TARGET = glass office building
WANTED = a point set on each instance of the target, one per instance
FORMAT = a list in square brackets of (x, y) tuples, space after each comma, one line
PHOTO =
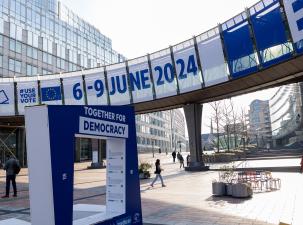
[(161, 130), (260, 130), (286, 115), (44, 37)]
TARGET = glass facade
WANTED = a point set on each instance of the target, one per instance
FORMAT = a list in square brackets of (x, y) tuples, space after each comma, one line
[(259, 123), (164, 130), (45, 37), (286, 112)]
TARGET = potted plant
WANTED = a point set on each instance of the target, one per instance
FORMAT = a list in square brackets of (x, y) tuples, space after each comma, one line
[(218, 188), (144, 170), (228, 176)]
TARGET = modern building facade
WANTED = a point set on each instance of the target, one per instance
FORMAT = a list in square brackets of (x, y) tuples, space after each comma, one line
[(286, 115), (39, 37), (45, 37), (161, 130), (259, 130)]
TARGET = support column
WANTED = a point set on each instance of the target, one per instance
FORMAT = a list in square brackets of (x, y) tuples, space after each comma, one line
[(97, 161), (193, 116), (20, 146)]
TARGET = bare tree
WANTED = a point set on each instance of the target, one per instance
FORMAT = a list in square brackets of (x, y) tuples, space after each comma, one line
[(242, 118), (216, 117), (226, 123), (234, 120)]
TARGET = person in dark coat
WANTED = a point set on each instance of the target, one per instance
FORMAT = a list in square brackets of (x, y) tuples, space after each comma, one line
[(158, 173), (10, 167), (187, 160), (178, 156), (174, 156), (181, 160)]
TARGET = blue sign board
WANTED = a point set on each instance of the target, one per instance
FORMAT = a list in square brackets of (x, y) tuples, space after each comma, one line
[(51, 132)]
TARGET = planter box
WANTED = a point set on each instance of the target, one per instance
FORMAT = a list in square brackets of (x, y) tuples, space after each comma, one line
[(241, 190), (218, 188), (144, 175), (229, 189)]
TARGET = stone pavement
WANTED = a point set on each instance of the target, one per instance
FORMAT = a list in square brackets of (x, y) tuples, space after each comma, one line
[(187, 199)]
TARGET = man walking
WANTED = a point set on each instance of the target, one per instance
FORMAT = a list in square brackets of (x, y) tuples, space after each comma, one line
[(12, 168), (174, 156), (181, 160)]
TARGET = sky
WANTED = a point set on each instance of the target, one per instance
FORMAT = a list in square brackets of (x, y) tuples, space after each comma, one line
[(138, 27)]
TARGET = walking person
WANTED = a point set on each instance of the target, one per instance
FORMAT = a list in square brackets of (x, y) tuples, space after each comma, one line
[(301, 164), (178, 156), (158, 173), (174, 156), (12, 168), (187, 160), (181, 160)]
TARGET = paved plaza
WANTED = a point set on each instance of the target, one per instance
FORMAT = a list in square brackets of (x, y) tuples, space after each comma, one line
[(187, 199)]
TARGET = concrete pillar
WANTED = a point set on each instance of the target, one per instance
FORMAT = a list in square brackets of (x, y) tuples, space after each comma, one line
[(20, 146), (193, 116), (97, 156)]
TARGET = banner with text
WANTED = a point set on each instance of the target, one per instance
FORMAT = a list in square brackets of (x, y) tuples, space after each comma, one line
[(95, 88), (294, 13), (139, 79), (27, 94), (189, 76), (7, 99), (73, 90), (118, 84), (163, 74)]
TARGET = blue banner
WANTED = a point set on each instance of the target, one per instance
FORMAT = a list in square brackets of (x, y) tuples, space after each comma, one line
[(270, 34), (239, 47), (51, 93)]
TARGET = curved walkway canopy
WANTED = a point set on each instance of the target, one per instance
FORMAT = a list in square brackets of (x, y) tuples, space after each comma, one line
[(259, 48)]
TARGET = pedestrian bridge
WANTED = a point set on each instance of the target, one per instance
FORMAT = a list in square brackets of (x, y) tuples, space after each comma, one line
[(259, 48)]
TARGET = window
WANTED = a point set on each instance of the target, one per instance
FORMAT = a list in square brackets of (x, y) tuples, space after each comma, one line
[(31, 70), (12, 31), (49, 60), (28, 70), (29, 38), (1, 25), (18, 47), (29, 52), (35, 53), (11, 65), (17, 66), (44, 72), (12, 45), (1, 40), (44, 57), (14, 65), (35, 40), (1, 62), (19, 33)]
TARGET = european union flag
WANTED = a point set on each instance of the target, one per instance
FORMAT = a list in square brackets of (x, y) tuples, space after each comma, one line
[(51, 94)]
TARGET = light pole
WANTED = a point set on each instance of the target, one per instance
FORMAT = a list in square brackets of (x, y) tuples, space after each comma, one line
[(153, 148)]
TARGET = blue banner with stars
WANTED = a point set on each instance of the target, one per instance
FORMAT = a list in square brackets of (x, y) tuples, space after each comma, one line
[(51, 93)]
